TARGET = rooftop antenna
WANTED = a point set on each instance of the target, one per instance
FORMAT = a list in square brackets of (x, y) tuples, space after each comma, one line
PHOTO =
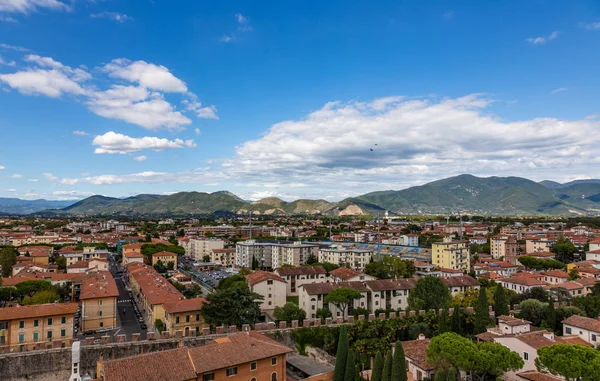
[(378, 239), (330, 228), (250, 225), (460, 231)]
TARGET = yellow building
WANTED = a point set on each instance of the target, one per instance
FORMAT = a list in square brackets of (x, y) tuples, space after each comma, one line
[(184, 315), (451, 255), (132, 252), (165, 257), (98, 301), (25, 327)]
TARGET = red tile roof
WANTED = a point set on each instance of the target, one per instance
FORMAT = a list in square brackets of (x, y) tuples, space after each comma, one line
[(301, 270), (460, 281), (98, 284), (261, 276), (39, 310), (416, 350), (532, 375), (524, 281), (185, 305), (344, 273), (164, 254), (583, 322)]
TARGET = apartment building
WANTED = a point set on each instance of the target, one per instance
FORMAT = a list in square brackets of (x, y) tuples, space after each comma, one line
[(587, 329), (223, 257), (521, 283), (294, 254), (165, 257), (132, 252), (34, 240), (184, 315), (297, 276), (37, 326), (270, 286), (453, 255), (240, 357), (87, 266), (198, 248), (505, 248), (345, 274), (98, 298), (355, 258), (246, 251), (534, 245)]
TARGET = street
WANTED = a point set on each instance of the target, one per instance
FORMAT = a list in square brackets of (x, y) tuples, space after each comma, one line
[(126, 318)]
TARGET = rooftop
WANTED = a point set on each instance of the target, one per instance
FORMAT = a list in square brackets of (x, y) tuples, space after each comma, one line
[(261, 276), (39, 310), (416, 350), (98, 284), (301, 270), (583, 322), (344, 273)]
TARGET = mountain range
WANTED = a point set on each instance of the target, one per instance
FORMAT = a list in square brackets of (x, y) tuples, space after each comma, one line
[(466, 193)]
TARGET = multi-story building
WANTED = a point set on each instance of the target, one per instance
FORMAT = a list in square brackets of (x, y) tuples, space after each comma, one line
[(345, 274), (165, 257), (34, 240), (453, 255), (247, 251), (297, 276), (98, 301), (505, 248), (294, 254), (239, 357), (355, 258), (270, 286), (199, 248), (534, 245), (223, 257), (36, 326), (132, 252), (587, 329)]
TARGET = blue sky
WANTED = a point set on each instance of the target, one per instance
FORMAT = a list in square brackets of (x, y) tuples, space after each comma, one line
[(288, 98)]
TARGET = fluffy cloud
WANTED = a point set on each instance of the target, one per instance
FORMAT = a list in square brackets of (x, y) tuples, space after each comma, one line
[(204, 112), (17, 176), (118, 17), (26, 6), (148, 75), (543, 39), (2, 167), (13, 47), (70, 195), (80, 133), (50, 177), (591, 25), (33, 180), (7, 19), (114, 143), (7, 63), (140, 158)]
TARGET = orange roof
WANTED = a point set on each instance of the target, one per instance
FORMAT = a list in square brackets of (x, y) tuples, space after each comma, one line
[(185, 305), (164, 254), (153, 285), (260, 276), (556, 273), (344, 273), (524, 281), (98, 284), (39, 310), (132, 254)]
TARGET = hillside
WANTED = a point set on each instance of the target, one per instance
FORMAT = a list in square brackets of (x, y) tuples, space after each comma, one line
[(18, 206), (465, 193)]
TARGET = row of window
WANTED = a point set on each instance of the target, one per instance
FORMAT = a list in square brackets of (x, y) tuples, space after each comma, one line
[(232, 371), (36, 335), (187, 318), (36, 322)]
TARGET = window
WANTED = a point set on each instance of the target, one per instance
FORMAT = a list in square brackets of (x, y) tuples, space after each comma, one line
[(49, 321), (101, 324), (187, 318), (63, 332), (197, 317), (63, 320), (269, 282), (253, 379), (100, 302), (231, 371), (568, 330), (22, 324), (36, 336), (99, 313), (274, 361), (21, 337), (49, 335), (525, 356), (36, 322), (274, 376), (593, 337), (253, 365), (177, 320), (208, 376)]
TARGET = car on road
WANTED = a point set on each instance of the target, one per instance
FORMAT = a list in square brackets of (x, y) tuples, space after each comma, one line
[(143, 326), (141, 319)]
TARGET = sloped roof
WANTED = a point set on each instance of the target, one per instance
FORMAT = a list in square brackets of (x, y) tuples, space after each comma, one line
[(261, 276), (39, 310), (301, 270), (583, 322)]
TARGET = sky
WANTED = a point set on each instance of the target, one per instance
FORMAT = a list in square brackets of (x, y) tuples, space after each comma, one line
[(293, 99)]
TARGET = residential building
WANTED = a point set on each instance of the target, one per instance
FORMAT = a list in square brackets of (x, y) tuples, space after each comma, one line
[(299, 275), (165, 257), (199, 248), (294, 254), (593, 255), (451, 254), (223, 257), (345, 274), (36, 326), (461, 283), (424, 269), (247, 251), (587, 329), (355, 258), (89, 265), (239, 357), (389, 294), (34, 240), (521, 283), (415, 352), (594, 244), (270, 286), (132, 252), (184, 315), (98, 301), (555, 276), (534, 245), (505, 248)]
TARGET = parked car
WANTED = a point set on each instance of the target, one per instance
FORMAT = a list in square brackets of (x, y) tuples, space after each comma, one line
[(143, 326)]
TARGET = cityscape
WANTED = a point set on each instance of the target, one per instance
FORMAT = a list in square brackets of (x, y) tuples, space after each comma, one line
[(299, 190)]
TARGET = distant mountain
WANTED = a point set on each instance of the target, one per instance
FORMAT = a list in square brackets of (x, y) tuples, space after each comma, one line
[(465, 193), (18, 206), (555, 185)]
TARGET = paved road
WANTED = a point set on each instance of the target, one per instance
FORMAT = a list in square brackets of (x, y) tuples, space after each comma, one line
[(126, 318)]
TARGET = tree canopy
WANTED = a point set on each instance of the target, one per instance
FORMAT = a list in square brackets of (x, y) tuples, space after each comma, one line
[(290, 311), (541, 264), (500, 301), (564, 249), (429, 293), (232, 306), (390, 267), (341, 355), (482, 312), (341, 297), (569, 361), (8, 258)]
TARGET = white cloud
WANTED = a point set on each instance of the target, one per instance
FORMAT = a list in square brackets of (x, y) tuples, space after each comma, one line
[(559, 90), (50, 177), (7, 19), (140, 158), (592, 25), (11, 190), (146, 74), (17, 176), (33, 180), (27, 6), (197, 131), (80, 133), (118, 17), (51, 83), (115, 143), (13, 47), (7, 63), (70, 195), (241, 18), (209, 112), (2, 167), (226, 38), (193, 104), (543, 39)]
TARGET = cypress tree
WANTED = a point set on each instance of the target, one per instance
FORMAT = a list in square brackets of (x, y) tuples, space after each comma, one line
[(357, 376), (550, 321), (456, 321), (350, 373), (443, 323), (482, 312), (377, 370), (451, 375), (341, 356), (441, 375), (399, 363), (386, 375), (500, 301)]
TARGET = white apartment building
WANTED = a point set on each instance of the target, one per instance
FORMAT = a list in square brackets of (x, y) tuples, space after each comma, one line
[(198, 248), (247, 250), (300, 275), (355, 258), (294, 254), (270, 286), (587, 329)]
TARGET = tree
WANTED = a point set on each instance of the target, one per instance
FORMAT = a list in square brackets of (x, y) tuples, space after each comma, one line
[(8, 258), (387, 367), (482, 312), (443, 322), (441, 375), (573, 274), (590, 304), (451, 375), (429, 293), (31, 287), (569, 361), (399, 363), (290, 311), (193, 291), (341, 297), (456, 321), (500, 301), (61, 262), (390, 267), (350, 373), (160, 326), (564, 249), (232, 306), (41, 297), (341, 355), (206, 258), (311, 260), (255, 263), (540, 264), (534, 311), (323, 313), (236, 280), (377, 371)]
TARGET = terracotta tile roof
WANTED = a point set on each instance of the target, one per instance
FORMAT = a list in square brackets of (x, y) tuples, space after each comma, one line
[(486, 336), (169, 365), (153, 285), (460, 281), (556, 273), (416, 350), (593, 251), (524, 281), (98, 284), (588, 270), (544, 254), (301, 270), (568, 285), (164, 254), (185, 305), (132, 254), (583, 322), (512, 321), (451, 271), (233, 350), (261, 276), (344, 273), (587, 281), (224, 251), (319, 288), (40, 310), (391, 284), (537, 339), (532, 375), (357, 285)]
